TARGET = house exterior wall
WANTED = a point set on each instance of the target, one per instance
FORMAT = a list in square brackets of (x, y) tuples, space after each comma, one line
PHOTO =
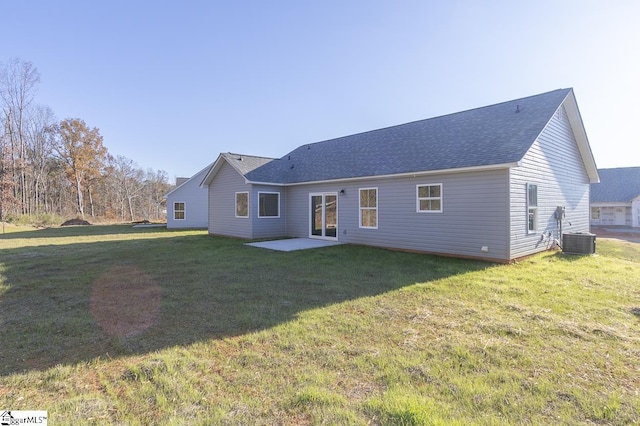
[(615, 214), (195, 199), (222, 204), (485, 212), (475, 214), (298, 222), (635, 212), (267, 227), (554, 164)]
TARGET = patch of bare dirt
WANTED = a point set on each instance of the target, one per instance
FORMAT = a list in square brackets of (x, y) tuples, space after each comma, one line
[(125, 301), (73, 222), (626, 234)]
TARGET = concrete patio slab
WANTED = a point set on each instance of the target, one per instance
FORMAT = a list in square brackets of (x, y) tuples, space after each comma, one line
[(292, 244)]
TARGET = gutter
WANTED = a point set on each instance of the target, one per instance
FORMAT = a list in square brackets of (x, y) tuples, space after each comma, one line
[(396, 175)]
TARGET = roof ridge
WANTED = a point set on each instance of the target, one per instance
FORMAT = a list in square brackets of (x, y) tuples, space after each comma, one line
[(433, 118), (249, 155), (485, 136)]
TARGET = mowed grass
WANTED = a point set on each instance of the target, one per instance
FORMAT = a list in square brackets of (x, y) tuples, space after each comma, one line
[(115, 325)]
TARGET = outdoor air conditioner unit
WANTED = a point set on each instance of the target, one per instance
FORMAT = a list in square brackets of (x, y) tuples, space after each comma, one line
[(579, 243)]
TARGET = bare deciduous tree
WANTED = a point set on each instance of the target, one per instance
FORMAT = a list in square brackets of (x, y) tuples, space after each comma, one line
[(41, 134), (80, 149), (18, 80), (61, 168), (6, 184)]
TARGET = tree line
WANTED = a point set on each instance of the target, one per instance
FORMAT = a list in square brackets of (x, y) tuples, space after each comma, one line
[(61, 169)]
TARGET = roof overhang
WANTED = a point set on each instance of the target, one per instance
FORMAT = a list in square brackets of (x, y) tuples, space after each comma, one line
[(610, 204), (398, 175), (213, 170), (216, 166), (188, 180), (227, 157), (575, 120)]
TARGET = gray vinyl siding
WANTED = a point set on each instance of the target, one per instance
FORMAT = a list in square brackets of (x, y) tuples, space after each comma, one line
[(267, 227), (195, 199), (222, 204), (475, 214), (554, 164), (298, 222)]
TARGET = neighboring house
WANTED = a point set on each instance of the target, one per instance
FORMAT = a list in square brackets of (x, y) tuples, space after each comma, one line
[(187, 203), (616, 199), (484, 183)]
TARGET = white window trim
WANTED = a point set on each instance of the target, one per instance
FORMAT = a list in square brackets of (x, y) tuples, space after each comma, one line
[(235, 205), (360, 208), (184, 211), (535, 219), (418, 198), (268, 192)]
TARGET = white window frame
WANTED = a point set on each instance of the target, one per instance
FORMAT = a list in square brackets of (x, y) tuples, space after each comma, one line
[(532, 209), (269, 193), (236, 204), (419, 198), (362, 208), (183, 210)]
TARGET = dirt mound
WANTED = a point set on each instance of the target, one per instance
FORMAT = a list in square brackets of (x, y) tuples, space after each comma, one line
[(72, 222)]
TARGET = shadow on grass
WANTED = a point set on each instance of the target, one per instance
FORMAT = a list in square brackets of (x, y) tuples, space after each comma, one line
[(624, 250), (76, 231), (67, 304), (572, 257)]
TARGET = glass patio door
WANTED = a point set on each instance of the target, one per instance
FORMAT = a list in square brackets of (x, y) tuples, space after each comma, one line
[(324, 215)]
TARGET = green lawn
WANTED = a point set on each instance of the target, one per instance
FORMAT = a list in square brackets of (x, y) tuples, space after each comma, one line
[(115, 325)]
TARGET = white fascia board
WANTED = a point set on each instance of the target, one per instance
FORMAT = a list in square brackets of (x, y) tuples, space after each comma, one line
[(577, 125), (208, 167), (251, 182), (213, 169), (611, 204)]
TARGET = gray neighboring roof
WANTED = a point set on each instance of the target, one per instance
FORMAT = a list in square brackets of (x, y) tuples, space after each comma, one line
[(619, 185), (188, 179), (489, 136)]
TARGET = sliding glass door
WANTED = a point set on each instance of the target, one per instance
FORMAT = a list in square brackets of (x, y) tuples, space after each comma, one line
[(324, 215)]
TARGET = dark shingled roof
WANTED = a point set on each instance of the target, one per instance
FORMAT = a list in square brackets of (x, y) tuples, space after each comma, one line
[(245, 163), (616, 185), (491, 135)]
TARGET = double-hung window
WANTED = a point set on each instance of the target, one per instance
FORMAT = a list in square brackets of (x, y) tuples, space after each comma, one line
[(179, 210), (369, 208), (242, 204), (532, 208), (268, 204), (429, 198)]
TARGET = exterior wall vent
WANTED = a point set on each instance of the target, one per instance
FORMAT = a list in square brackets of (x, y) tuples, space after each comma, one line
[(579, 243)]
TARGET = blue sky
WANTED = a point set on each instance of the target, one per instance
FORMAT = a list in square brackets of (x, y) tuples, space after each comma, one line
[(170, 85)]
